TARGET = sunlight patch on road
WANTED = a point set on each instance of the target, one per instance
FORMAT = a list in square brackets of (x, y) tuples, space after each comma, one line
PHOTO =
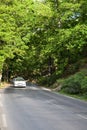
[(46, 89), (1, 105), (34, 88), (4, 122)]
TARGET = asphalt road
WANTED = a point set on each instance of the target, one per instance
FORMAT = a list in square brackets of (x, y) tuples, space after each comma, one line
[(33, 108)]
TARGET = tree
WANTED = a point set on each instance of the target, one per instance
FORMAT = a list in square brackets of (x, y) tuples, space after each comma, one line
[(42, 37)]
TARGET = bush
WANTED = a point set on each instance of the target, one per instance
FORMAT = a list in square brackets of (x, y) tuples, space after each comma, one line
[(43, 81), (71, 86), (79, 77), (84, 85), (76, 84), (48, 80), (71, 69)]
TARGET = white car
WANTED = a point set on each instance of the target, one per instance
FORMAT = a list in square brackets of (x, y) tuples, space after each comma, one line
[(19, 82)]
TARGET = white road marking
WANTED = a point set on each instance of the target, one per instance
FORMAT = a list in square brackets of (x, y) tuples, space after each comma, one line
[(3, 116), (0, 96), (1, 105), (4, 122), (82, 116)]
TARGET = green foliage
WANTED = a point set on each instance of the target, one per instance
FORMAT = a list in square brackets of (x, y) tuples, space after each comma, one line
[(42, 37), (71, 86), (84, 85), (43, 81), (76, 84), (48, 80)]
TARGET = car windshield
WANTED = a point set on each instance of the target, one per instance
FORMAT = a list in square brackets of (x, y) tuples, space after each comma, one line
[(19, 79)]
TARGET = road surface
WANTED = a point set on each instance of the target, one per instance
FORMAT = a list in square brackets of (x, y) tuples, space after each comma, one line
[(34, 108)]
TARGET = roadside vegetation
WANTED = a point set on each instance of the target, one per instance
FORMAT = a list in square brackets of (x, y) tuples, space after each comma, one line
[(74, 85), (4, 84), (45, 42)]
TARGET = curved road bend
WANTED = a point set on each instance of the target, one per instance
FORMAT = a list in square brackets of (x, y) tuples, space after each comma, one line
[(32, 108)]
